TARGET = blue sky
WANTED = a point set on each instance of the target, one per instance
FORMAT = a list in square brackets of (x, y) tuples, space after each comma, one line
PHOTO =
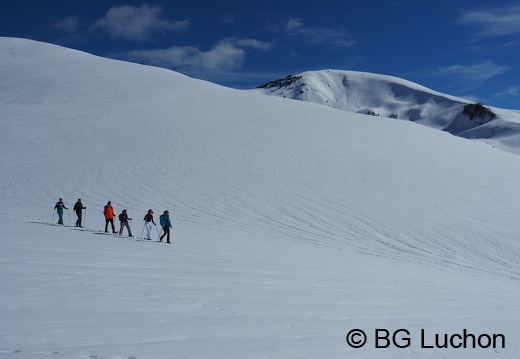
[(468, 48)]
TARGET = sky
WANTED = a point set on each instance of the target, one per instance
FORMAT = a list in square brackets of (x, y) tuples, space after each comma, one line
[(466, 48)]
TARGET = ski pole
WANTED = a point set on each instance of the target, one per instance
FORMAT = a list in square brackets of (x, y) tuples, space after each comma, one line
[(144, 223), (85, 219), (53, 212), (158, 234), (70, 221)]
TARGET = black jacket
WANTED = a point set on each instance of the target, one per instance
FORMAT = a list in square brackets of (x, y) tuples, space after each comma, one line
[(123, 217), (78, 207), (149, 218)]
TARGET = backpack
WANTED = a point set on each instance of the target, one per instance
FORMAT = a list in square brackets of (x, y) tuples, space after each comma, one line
[(121, 217)]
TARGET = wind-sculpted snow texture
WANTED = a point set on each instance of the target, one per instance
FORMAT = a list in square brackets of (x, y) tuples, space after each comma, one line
[(395, 98), (294, 223)]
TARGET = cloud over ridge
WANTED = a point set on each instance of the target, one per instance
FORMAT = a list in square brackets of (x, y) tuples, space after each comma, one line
[(137, 23)]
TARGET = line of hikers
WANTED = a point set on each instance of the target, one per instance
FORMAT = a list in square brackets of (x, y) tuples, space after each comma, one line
[(108, 212)]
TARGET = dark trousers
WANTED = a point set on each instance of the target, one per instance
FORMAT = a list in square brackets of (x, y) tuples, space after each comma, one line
[(166, 232), (60, 216), (111, 221), (80, 216), (125, 224)]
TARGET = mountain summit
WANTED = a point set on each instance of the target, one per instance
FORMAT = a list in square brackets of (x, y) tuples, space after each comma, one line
[(393, 97)]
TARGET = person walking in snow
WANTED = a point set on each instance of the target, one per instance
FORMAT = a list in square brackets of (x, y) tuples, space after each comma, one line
[(166, 224), (78, 208), (148, 220), (108, 211), (59, 209), (123, 218)]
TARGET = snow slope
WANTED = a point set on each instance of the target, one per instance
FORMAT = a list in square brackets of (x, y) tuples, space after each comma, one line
[(294, 223), (392, 97)]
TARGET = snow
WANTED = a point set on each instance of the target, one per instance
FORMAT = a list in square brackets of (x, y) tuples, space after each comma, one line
[(294, 223), (392, 97)]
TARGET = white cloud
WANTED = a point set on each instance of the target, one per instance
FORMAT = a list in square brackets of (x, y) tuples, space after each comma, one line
[(512, 90), (494, 22), (137, 23), (226, 55), (319, 35), (70, 25), (294, 26), (474, 73), (254, 44), (510, 44), (511, 94), (228, 18), (461, 78)]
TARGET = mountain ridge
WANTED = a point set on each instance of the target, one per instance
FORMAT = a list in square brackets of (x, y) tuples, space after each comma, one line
[(396, 98)]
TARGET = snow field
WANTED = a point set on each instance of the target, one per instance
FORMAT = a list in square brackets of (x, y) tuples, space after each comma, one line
[(294, 223)]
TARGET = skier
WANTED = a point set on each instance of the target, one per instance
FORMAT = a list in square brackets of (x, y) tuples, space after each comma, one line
[(59, 209), (78, 208), (108, 211), (166, 224), (148, 218), (123, 218)]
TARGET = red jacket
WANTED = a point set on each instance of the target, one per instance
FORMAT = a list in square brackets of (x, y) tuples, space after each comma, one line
[(108, 212)]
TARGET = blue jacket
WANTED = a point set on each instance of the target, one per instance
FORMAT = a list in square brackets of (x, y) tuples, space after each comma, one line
[(165, 221)]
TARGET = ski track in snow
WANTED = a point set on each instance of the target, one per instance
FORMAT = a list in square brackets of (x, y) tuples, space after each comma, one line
[(292, 222)]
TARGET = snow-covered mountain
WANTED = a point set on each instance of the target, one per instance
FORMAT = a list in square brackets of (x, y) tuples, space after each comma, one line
[(293, 223), (392, 97)]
